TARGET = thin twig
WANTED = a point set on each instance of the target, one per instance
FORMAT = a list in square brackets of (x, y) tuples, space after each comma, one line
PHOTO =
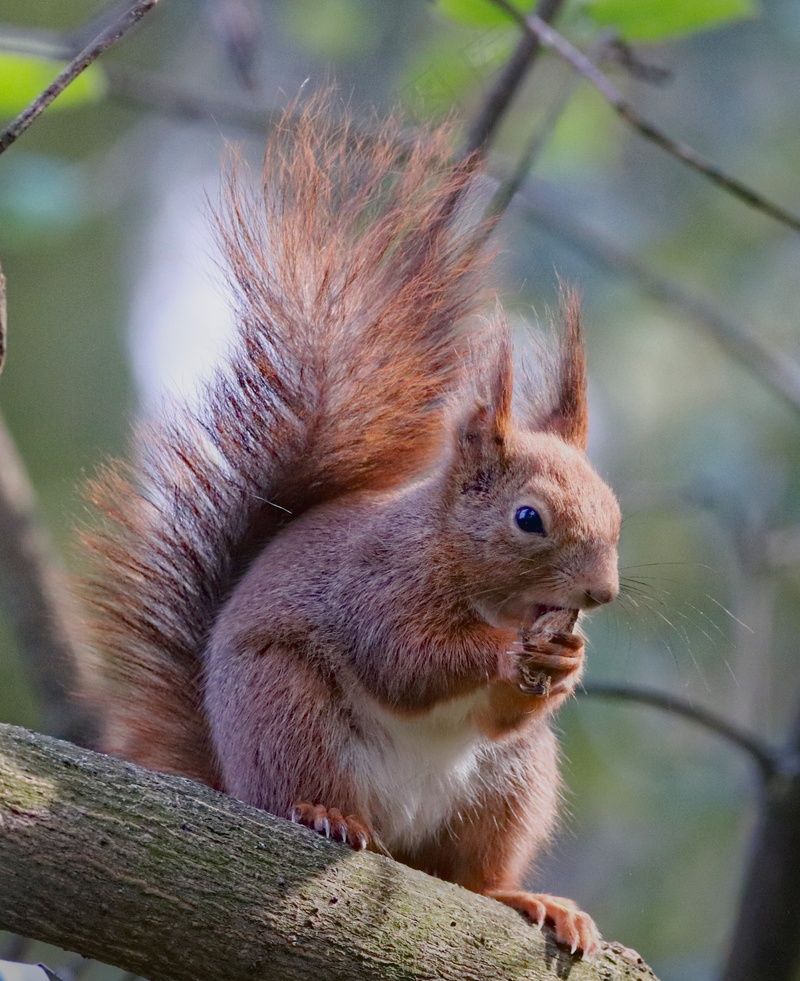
[(550, 38), (774, 369), (107, 39), (508, 83), (35, 598), (514, 183), (760, 752), (147, 88), (104, 20)]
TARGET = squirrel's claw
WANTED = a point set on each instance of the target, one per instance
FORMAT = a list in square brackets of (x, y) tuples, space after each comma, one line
[(549, 664), (572, 927), (331, 823)]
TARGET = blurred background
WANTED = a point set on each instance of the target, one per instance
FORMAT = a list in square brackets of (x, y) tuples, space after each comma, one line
[(114, 299)]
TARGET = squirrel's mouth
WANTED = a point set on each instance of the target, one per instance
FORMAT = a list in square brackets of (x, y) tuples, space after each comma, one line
[(540, 609), (554, 618)]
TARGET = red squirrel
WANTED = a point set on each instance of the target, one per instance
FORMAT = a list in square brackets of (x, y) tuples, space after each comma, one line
[(345, 589)]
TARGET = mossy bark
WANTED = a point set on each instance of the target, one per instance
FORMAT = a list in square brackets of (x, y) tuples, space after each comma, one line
[(169, 879)]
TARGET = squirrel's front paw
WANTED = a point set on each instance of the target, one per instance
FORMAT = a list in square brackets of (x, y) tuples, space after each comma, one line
[(549, 663), (331, 823)]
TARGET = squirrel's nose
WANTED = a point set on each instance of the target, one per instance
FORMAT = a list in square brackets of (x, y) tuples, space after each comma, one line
[(599, 595)]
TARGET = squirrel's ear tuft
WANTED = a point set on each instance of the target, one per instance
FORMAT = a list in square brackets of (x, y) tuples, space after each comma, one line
[(501, 382), (483, 431), (480, 450), (569, 414)]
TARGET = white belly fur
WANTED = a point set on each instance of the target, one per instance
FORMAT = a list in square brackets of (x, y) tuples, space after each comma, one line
[(418, 771)]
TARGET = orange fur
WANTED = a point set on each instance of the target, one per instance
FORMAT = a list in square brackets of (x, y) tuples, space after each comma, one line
[(315, 594)]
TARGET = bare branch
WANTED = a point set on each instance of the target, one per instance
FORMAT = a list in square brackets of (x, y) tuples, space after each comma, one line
[(103, 21), (144, 87), (179, 882), (35, 597), (550, 38), (107, 39), (513, 184), (759, 751), (775, 370), (508, 83)]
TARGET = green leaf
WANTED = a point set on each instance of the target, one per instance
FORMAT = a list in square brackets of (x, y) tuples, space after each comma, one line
[(479, 12), (22, 79), (653, 20)]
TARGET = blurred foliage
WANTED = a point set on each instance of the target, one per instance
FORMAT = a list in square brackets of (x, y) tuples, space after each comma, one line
[(336, 29), (482, 13), (23, 78), (634, 20), (655, 21), (705, 458)]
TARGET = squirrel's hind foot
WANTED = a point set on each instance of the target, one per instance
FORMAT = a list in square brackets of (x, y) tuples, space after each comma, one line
[(573, 928), (330, 822)]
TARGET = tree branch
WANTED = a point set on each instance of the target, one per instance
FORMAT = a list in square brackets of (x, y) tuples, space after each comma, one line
[(536, 27), (177, 882), (776, 370), (35, 597), (508, 83), (764, 757), (765, 943), (105, 40), (514, 182)]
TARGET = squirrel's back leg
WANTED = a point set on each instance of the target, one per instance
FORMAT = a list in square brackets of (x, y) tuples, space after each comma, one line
[(572, 927), (494, 856), (488, 847), (280, 735)]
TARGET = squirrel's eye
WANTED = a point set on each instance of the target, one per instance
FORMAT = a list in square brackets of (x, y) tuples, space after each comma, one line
[(530, 521)]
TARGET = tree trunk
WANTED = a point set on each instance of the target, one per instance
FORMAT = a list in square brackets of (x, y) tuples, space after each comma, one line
[(765, 941), (167, 878)]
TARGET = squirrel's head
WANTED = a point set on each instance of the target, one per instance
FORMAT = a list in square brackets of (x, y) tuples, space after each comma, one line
[(534, 526)]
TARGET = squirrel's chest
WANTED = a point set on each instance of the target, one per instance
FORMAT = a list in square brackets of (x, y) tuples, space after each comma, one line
[(418, 770)]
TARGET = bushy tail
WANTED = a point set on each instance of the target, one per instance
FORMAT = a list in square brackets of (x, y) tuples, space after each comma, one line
[(354, 271)]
